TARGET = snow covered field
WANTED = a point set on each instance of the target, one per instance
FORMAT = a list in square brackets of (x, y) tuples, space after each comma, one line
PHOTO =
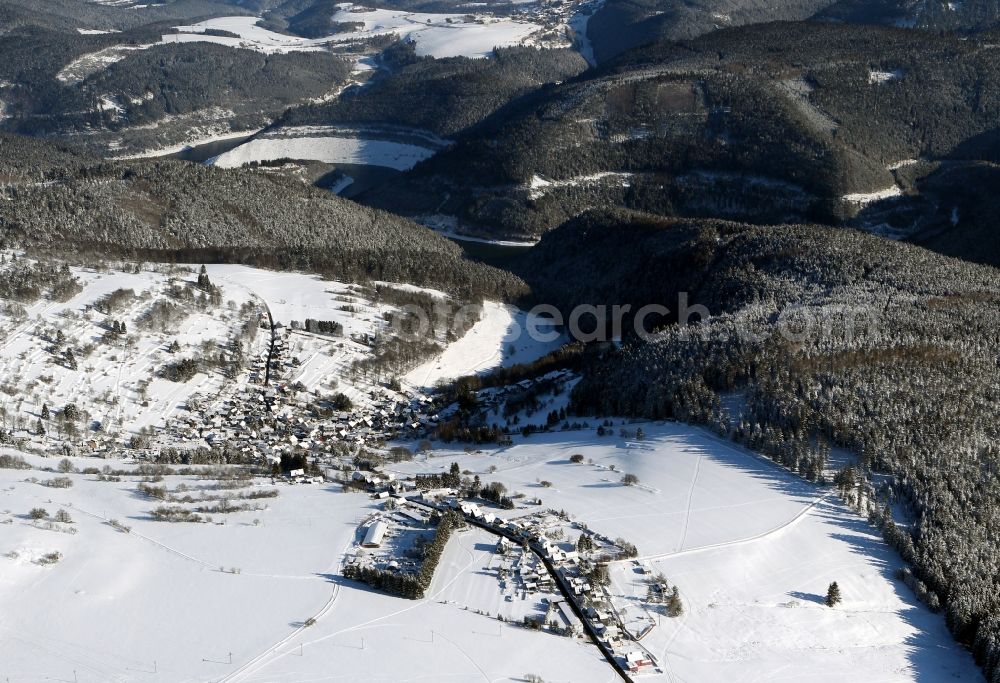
[(251, 36), (436, 35), (439, 35), (751, 548), (865, 198), (487, 345), (332, 148), (298, 296), (80, 619), (201, 622)]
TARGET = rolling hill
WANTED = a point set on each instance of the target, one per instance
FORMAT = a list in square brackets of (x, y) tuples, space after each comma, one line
[(768, 123)]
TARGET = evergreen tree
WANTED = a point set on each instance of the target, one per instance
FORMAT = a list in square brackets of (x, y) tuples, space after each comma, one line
[(675, 607), (832, 594), (45, 411), (204, 283), (71, 412)]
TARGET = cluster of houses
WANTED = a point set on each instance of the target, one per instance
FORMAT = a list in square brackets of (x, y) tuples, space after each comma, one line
[(494, 398), (572, 569), (268, 421), (550, 564)]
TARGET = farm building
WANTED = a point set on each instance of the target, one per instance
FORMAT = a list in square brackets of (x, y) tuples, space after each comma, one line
[(636, 660), (374, 535)]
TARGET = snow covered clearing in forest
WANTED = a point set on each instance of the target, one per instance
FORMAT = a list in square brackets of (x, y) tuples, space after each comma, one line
[(882, 77), (539, 186), (438, 35), (251, 36), (91, 63), (500, 330), (864, 198), (400, 156), (435, 35)]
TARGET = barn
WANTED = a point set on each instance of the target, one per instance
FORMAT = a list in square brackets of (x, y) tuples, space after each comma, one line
[(374, 535)]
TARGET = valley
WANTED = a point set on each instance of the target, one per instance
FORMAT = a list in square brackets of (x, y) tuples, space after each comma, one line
[(521, 340)]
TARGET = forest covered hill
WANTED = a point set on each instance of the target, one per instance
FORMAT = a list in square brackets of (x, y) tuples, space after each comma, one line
[(171, 210), (148, 85), (444, 96), (69, 15), (619, 26), (622, 25), (768, 123), (821, 338), (117, 89)]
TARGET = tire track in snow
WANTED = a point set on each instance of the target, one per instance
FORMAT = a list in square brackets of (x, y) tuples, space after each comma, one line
[(271, 654), (262, 659), (137, 534), (740, 541), (690, 500)]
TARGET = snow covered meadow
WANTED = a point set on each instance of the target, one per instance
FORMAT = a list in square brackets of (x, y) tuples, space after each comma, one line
[(435, 35), (751, 548), (497, 340), (367, 145)]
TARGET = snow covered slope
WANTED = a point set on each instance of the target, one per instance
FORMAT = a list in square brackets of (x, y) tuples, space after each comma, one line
[(436, 35), (330, 148), (751, 548), (500, 330)]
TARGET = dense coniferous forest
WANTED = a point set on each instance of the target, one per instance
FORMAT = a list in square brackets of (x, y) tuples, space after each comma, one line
[(148, 85), (444, 96), (769, 123), (27, 159), (174, 210), (33, 55), (622, 25), (823, 337), (68, 15), (958, 214), (177, 79)]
